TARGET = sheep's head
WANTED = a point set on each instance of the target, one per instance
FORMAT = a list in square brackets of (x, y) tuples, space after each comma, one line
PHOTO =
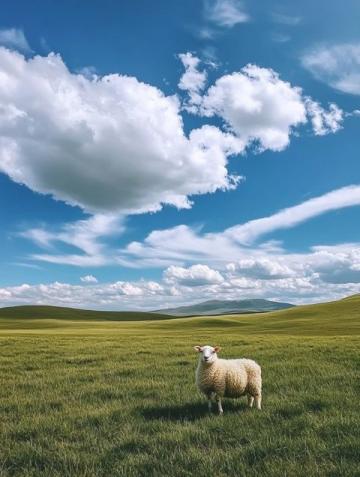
[(208, 354)]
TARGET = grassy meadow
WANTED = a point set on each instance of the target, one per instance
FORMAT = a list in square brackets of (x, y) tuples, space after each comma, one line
[(117, 398)]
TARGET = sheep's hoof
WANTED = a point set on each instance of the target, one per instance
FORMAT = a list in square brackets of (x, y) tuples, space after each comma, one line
[(221, 413)]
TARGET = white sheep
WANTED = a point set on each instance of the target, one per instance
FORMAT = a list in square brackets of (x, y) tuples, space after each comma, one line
[(218, 378)]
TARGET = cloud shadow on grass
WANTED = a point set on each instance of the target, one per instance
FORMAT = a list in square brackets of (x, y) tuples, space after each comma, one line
[(188, 411)]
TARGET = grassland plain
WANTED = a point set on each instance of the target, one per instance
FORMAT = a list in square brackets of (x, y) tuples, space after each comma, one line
[(110, 398)]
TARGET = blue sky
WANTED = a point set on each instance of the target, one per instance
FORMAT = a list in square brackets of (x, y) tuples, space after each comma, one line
[(154, 154)]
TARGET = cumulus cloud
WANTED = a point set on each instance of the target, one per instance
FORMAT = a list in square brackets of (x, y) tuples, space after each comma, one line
[(257, 106), (324, 122), (323, 273), (14, 38), (115, 145), (225, 13), (116, 295), (106, 144), (337, 264), (88, 279), (260, 108), (196, 275), (337, 65), (262, 268)]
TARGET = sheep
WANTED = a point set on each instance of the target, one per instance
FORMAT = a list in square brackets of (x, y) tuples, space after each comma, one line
[(218, 378)]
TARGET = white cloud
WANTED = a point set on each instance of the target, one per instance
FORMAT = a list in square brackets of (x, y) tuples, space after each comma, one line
[(337, 264), (90, 72), (225, 13), (257, 106), (324, 122), (340, 198), (14, 38), (109, 144), (323, 273), (182, 244), (117, 295), (114, 145), (261, 109), (338, 65), (196, 275), (85, 236), (224, 265), (261, 268), (178, 245), (192, 81), (89, 279)]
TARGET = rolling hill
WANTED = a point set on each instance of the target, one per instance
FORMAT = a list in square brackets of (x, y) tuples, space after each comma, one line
[(62, 313), (222, 307), (214, 307), (337, 318)]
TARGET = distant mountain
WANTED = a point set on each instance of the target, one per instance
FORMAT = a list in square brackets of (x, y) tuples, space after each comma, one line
[(223, 307)]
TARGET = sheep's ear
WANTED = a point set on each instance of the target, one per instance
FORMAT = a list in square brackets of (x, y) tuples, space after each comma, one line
[(198, 349), (217, 349)]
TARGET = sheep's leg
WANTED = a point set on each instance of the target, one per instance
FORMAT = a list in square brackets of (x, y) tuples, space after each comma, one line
[(258, 401), (250, 400), (210, 398), (220, 409)]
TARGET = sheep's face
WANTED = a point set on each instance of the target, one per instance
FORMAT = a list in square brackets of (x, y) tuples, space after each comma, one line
[(207, 353)]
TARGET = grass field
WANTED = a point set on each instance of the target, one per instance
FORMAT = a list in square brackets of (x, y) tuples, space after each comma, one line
[(111, 398)]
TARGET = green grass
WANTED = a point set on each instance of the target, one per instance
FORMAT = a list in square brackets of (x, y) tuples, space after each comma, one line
[(108, 398)]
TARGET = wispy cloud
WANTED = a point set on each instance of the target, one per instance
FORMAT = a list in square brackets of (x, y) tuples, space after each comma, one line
[(337, 65), (289, 20), (85, 236), (14, 38), (280, 37), (225, 13), (205, 33), (292, 216), (182, 244)]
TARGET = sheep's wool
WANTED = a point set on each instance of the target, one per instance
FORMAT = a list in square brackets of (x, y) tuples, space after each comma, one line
[(229, 378)]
